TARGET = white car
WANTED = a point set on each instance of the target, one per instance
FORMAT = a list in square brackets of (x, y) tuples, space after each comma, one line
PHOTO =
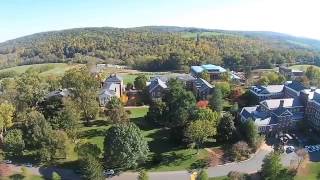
[(7, 161), (108, 172)]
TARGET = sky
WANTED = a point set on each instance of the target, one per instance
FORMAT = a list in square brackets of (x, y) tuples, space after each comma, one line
[(296, 17)]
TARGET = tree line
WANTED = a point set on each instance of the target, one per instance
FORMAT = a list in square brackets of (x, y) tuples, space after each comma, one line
[(152, 49)]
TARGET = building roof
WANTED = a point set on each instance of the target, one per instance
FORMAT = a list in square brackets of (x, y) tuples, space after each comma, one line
[(59, 93), (208, 67), (267, 89), (156, 83), (246, 112), (114, 78), (185, 77), (282, 111), (276, 103), (295, 85), (202, 84)]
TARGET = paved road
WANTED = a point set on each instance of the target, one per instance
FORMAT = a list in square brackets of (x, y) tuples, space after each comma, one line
[(249, 166)]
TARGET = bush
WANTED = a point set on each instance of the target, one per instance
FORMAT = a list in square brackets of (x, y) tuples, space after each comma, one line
[(56, 176), (240, 151), (203, 175), (234, 175), (143, 175)]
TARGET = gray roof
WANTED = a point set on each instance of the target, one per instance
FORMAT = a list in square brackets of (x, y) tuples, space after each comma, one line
[(295, 85), (185, 77), (113, 78), (267, 89), (156, 83), (275, 103), (202, 84)]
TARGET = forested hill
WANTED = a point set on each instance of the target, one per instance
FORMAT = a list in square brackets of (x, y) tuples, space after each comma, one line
[(160, 47)]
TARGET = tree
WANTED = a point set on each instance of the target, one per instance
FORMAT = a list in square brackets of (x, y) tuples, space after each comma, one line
[(6, 115), (129, 86), (224, 87), (208, 114), (125, 146), (203, 175), (140, 82), (216, 101), (13, 142), (180, 105), (83, 88), (199, 130), (205, 75), (143, 175), (236, 93), (156, 112), (91, 168), (116, 111), (35, 128), (88, 149), (55, 176), (54, 147), (251, 133), (271, 166), (226, 128), (30, 90)]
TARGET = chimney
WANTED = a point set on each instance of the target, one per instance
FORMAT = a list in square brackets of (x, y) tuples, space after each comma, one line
[(281, 103)]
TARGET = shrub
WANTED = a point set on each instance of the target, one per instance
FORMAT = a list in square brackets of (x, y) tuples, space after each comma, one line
[(143, 175), (56, 176), (240, 151), (203, 175)]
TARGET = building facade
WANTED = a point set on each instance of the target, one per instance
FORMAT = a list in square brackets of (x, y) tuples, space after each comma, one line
[(281, 110)]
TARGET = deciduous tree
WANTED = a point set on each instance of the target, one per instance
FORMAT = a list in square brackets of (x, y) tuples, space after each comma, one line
[(6, 115), (83, 87), (125, 146), (13, 142), (216, 101), (140, 82)]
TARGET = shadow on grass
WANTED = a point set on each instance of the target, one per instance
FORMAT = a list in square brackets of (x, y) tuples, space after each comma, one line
[(64, 173), (17, 177), (92, 133), (98, 122), (161, 142), (144, 124)]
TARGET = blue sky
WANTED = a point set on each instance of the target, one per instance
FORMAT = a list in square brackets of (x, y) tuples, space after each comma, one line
[(296, 17)]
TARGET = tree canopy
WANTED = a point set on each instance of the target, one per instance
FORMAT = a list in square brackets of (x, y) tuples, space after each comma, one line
[(125, 146)]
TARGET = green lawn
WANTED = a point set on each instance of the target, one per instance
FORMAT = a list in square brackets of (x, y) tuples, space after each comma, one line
[(303, 67), (20, 176), (313, 172), (218, 178), (56, 69), (171, 156)]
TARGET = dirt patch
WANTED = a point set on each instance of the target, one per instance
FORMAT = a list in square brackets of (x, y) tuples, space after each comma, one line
[(216, 156), (303, 170)]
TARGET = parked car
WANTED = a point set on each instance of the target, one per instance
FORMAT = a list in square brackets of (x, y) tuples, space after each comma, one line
[(29, 165), (108, 172), (290, 149), (7, 161)]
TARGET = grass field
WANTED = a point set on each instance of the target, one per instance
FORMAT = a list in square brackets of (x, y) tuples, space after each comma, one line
[(303, 67), (57, 69), (171, 156), (312, 172)]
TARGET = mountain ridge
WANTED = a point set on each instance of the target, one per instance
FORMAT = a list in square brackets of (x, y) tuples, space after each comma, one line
[(160, 47)]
